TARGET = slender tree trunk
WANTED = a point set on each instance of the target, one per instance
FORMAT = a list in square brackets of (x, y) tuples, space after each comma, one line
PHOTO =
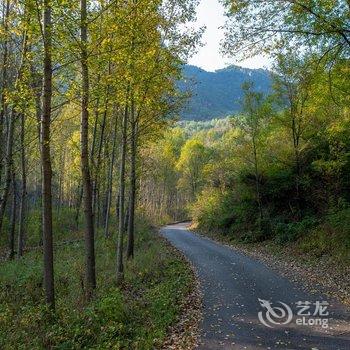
[(257, 181), (100, 193), (110, 177), (8, 167), (132, 199), (92, 150), (126, 213), (4, 84), (46, 159), (37, 87), (90, 275), (78, 204), (96, 181), (296, 139), (120, 266), (13, 217), (22, 207), (60, 182)]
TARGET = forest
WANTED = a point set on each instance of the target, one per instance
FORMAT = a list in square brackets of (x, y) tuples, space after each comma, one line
[(84, 87), (278, 169), (94, 155)]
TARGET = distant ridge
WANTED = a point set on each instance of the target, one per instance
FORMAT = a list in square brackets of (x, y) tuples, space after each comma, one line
[(218, 94)]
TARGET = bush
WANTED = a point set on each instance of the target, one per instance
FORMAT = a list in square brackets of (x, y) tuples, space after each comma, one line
[(217, 211), (290, 232), (136, 317), (213, 210), (331, 237)]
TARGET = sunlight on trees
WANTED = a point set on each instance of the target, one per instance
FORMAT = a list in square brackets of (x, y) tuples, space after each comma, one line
[(91, 148)]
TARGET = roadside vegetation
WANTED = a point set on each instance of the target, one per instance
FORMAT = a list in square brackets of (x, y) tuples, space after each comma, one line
[(247, 179), (85, 86), (89, 97), (278, 171), (135, 316)]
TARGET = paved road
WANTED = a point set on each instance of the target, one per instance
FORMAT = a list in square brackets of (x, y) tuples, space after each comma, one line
[(232, 285)]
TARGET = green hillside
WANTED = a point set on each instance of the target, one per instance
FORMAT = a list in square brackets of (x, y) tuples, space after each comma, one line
[(218, 94)]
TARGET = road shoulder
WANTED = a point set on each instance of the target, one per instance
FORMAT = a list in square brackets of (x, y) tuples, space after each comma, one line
[(185, 333), (312, 275)]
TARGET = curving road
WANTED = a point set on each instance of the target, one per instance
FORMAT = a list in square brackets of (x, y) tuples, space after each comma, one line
[(232, 285)]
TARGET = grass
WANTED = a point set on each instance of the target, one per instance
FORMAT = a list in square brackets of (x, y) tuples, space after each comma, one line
[(134, 317), (309, 240), (330, 238), (64, 226)]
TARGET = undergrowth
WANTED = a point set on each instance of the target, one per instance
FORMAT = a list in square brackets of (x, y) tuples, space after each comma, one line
[(137, 316)]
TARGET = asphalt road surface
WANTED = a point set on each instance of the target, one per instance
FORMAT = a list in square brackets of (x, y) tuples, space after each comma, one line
[(232, 285)]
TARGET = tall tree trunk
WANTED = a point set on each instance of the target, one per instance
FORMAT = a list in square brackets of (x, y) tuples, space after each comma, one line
[(8, 167), (96, 164), (13, 217), (257, 182), (90, 276), (296, 140), (96, 181), (4, 83), (132, 198), (92, 150), (120, 266), (126, 213), (46, 159), (37, 81), (22, 207), (110, 176)]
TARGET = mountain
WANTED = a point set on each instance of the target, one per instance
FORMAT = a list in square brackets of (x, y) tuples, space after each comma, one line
[(218, 94)]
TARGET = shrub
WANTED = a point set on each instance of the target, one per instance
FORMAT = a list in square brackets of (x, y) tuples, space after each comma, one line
[(292, 231), (331, 237), (213, 210), (136, 317)]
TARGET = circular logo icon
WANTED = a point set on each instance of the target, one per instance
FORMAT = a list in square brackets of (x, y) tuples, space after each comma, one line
[(274, 315)]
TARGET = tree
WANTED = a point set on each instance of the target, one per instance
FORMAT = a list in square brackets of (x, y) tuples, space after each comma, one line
[(257, 26), (193, 158), (121, 195), (90, 274), (46, 157), (22, 208), (4, 82), (293, 79), (251, 123), (132, 196), (13, 217), (110, 177)]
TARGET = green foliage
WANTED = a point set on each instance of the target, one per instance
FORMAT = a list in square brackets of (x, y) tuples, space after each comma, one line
[(276, 171), (64, 225), (257, 26), (217, 94), (213, 210), (331, 237), (219, 126), (292, 231), (137, 317), (194, 155)]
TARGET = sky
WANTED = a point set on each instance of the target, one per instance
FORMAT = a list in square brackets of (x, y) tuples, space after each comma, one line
[(210, 13)]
